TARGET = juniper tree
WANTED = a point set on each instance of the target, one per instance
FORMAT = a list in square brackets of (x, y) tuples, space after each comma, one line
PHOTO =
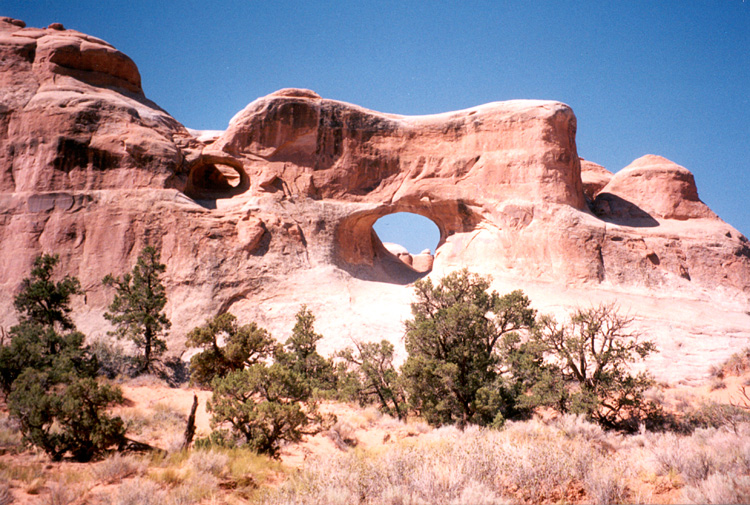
[(453, 370), (592, 355), (44, 302), (266, 405), (243, 346), (137, 310), (48, 373), (300, 353), (376, 378), (45, 333), (61, 414)]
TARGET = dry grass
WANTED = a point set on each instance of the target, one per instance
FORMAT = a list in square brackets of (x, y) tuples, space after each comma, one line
[(160, 417), (607, 483), (529, 462), (388, 461), (6, 495), (565, 460), (58, 493), (717, 383), (210, 474), (118, 467), (343, 435), (10, 435), (714, 463), (209, 462), (139, 492), (718, 488), (161, 424), (25, 471), (737, 364)]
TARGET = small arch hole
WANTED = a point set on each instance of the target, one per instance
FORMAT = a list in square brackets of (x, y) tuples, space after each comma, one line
[(215, 180)]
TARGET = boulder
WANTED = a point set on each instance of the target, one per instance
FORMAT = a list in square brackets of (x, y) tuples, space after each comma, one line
[(423, 261)]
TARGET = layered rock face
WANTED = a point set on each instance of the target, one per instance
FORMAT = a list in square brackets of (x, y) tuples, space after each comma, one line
[(278, 209)]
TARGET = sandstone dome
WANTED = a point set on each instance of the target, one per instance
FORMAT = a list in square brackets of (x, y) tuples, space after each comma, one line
[(396, 249), (660, 188)]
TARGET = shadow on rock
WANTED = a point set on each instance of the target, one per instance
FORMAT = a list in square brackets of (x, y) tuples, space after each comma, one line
[(613, 209), (385, 268)]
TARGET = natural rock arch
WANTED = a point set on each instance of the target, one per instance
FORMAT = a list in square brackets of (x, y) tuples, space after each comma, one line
[(91, 168), (358, 245)]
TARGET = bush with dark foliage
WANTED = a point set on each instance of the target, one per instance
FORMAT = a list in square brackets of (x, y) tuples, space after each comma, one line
[(49, 375)]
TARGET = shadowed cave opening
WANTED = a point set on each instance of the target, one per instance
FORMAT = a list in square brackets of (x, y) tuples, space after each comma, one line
[(410, 237), (213, 180)]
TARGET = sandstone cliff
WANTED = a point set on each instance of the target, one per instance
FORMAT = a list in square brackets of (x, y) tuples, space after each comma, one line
[(278, 209)]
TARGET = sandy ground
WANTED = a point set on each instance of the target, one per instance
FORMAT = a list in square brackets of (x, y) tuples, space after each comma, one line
[(367, 428)]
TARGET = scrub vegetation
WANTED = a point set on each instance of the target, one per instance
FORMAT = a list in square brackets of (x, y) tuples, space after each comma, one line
[(495, 403)]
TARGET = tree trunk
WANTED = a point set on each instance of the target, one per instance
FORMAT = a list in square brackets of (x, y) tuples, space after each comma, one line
[(190, 429), (146, 350)]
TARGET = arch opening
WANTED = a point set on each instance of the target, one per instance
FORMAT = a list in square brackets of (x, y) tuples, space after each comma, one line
[(214, 180), (411, 238), (359, 247)]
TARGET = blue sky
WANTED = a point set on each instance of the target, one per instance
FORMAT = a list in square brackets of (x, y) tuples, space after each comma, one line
[(643, 77)]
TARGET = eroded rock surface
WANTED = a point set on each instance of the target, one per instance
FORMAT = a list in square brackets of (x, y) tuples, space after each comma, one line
[(594, 177), (659, 188), (278, 209)]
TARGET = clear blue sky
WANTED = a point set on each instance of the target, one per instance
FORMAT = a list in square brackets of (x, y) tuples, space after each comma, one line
[(643, 77)]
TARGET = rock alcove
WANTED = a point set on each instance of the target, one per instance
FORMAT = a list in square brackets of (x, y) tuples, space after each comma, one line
[(216, 179)]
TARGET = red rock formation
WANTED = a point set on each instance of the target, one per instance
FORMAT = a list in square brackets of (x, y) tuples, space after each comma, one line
[(278, 209), (594, 177), (75, 117), (510, 149), (660, 188)]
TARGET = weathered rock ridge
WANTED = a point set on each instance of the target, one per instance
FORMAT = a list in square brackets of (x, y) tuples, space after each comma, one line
[(278, 209)]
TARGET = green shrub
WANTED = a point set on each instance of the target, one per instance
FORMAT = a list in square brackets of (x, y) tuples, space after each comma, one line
[(45, 335), (301, 356), (243, 346), (49, 374), (588, 359), (370, 372), (736, 364), (112, 360), (710, 414), (43, 301), (266, 405), (453, 371), (65, 416)]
